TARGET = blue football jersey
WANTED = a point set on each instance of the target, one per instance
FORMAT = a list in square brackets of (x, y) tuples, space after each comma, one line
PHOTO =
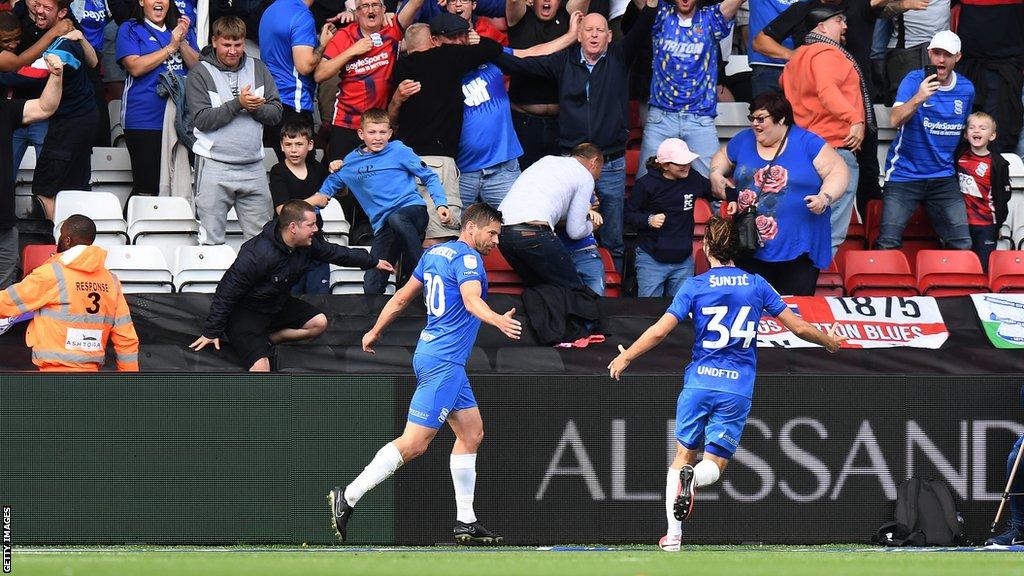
[(726, 304), (451, 329)]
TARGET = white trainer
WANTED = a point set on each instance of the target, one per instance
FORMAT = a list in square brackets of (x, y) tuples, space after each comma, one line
[(670, 543)]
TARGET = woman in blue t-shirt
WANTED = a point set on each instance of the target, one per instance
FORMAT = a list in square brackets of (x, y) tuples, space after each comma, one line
[(156, 39), (791, 176)]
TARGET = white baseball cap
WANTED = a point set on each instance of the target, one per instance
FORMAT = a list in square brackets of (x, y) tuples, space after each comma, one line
[(946, 40), (675, 151)]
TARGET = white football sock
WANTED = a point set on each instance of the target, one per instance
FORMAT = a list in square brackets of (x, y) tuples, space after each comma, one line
[(675, 527), (705, 473), (464, 479), (383, 465)]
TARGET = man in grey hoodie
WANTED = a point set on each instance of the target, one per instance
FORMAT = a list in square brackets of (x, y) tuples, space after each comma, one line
[(231, 97)]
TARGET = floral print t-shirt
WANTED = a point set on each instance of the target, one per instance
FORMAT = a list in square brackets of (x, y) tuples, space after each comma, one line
[(787, 227)]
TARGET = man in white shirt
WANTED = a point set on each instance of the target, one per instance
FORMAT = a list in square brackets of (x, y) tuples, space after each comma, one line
[(552, 190)]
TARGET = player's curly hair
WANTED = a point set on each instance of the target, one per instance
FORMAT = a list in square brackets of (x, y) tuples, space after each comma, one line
[(722, 238)]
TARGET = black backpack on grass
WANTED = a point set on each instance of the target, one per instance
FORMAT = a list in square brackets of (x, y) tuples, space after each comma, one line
[(925, 515)]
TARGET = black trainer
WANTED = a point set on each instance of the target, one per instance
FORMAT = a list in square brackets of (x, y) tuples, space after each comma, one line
[(341, 513), (475, 534), (687, 493)]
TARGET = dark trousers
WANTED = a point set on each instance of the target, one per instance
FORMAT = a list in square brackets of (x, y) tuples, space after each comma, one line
[(797, 277), (401, 235), (867, 185), (144, 149), (538, 135), (272, 134), (65, 162), (983, 242), (538, 256), (899, 62)]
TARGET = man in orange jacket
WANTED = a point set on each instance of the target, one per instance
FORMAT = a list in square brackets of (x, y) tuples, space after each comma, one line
[(78, 305), (829, 95)]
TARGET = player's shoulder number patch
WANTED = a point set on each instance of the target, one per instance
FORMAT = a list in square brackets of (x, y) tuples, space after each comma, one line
[(469, 260)]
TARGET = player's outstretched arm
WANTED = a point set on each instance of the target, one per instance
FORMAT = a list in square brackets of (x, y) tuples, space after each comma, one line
[(391, 310), (649, 339), (805, 331), (471, 292)]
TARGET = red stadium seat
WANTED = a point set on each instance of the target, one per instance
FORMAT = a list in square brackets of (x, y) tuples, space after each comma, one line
[(632, 164), (501, 278), (1006, 271), (910, 248), (949, 273), (918, 226), (701, 215), (634, 114), (830, 282), (612, 279), (700, 260), (495, 262), (878, 273), (857, 230), (32, 255)]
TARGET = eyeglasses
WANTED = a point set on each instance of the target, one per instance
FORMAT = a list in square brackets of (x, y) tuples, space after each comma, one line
[(461, 1), (758, 119), (369, 6)]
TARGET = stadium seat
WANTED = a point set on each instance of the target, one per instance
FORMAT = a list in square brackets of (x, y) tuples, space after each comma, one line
[(23, 182), (856, 230), (200, 268), (878, 273), (269, 159), (886, 132), (632, 165), (949, 273), (141, 269), (103, 207), (918, 226), (32, 255), (737, 64), (911, 247), (345, 280), (731, 119), (701, 215), (700, 260), (162, 221), (233, 231), (501, 278), (612, 279), (830, 281), (116, 129), (1006, 271), (336, 227), (112, 172), (635, 120), (1016, 170)]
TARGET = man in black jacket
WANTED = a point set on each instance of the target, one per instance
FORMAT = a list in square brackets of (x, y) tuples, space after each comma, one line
[(253, 303), (593, 100)]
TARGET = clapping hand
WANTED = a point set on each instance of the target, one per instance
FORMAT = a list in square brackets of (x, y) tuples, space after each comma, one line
[(249, 101)]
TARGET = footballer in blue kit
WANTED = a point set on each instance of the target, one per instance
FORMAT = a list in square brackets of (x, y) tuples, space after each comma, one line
[(726, 305), (453, 281)]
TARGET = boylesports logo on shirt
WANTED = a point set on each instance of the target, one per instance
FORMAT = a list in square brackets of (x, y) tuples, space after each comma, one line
[(368, 64), (943, 128)]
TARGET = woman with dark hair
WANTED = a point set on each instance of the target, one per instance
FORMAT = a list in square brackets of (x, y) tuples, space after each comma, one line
[(792, 177), (157, 38), (725, 304)]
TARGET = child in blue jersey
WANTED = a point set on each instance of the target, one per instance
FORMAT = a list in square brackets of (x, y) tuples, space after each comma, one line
[(726, 304), (382, 175), (454, 284)]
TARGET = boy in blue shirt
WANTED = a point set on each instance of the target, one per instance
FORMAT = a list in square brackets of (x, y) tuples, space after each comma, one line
[(454, 285), (931, 113), (382, 175), (726, 304)]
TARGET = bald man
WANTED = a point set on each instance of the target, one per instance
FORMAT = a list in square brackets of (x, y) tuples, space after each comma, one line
[(593, 83)]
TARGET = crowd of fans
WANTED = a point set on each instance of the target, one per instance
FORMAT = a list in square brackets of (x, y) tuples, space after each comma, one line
[(426, 107)]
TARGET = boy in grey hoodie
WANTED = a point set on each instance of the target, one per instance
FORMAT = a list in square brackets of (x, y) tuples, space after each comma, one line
[(231, 97)]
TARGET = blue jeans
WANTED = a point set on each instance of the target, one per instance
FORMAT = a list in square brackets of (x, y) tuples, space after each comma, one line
[(538, 256), (33, 134), (590, 268), (698, 132), (538, 135), (843, 208), (402, 234), (764, 78), (489, 185), (611, 191), (942, 200), (316, 280), (660, 279)]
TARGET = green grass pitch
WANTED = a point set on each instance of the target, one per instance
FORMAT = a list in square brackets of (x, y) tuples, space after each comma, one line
[(629, 560)]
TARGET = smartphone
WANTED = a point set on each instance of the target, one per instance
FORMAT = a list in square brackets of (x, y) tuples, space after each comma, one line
[(930, 70)]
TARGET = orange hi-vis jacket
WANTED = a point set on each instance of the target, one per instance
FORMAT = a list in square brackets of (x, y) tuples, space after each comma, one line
[(78, 305)]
